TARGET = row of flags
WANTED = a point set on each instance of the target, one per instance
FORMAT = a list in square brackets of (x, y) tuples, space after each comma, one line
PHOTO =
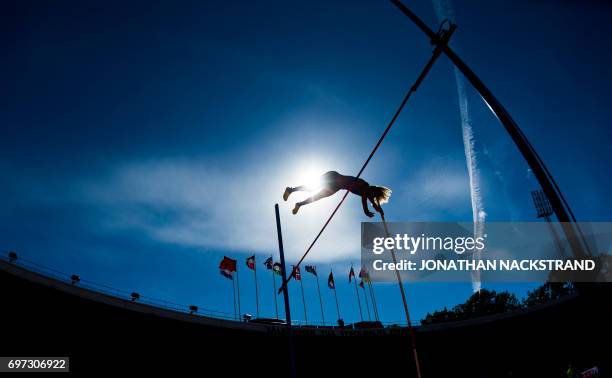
[(228, 266), (270, 265)]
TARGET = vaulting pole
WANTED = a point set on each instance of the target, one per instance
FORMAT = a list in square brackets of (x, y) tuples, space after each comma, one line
[(401, 287), (549, 186), (285, 294)]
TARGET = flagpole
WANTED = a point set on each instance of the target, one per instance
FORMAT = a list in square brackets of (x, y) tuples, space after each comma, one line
[(238, 290), (357, 293), (352, 274), (304, 301), (374, 304), (274, 293), (256, 289), (234, 292), (320, 299), (337, 307), (336, 297), (365, 295)]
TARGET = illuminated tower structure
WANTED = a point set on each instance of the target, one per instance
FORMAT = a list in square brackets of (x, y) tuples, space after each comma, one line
[(544, 210)]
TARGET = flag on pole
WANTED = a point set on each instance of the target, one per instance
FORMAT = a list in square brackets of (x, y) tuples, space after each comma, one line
[(268, 263), (276, 267), (330, 281), (226, 267), (296, 273), (311, 269), (250, 262), (364, 275), (351, 274), (270, 266)]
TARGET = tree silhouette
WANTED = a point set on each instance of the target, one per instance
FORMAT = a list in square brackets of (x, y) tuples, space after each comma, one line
[(547, 292), (489, 302), (483, 303)]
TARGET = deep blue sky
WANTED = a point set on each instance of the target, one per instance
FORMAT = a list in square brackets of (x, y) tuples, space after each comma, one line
[(142, 141)]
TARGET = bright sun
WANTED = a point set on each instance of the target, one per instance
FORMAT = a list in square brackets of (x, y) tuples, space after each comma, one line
[(309, 175), (311, 178)]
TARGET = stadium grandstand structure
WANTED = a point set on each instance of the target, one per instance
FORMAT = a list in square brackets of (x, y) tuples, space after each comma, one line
[(51, 314)]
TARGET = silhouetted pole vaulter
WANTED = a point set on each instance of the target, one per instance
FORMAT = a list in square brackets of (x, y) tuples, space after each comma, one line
[(250, 262), (362, 285), (547, 182), (352, 276), (332, 181), (313, 269), (285, 294), (332, 285), (270, 266)]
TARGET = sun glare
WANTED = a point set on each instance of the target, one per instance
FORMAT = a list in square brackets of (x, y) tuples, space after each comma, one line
[(309, 174), (311, 178)]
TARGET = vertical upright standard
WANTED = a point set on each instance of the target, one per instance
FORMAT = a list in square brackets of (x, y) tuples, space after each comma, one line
[(285, 294)]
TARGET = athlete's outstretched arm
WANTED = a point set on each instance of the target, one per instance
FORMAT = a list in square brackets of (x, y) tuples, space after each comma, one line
[(377, 207), (364, 203)]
